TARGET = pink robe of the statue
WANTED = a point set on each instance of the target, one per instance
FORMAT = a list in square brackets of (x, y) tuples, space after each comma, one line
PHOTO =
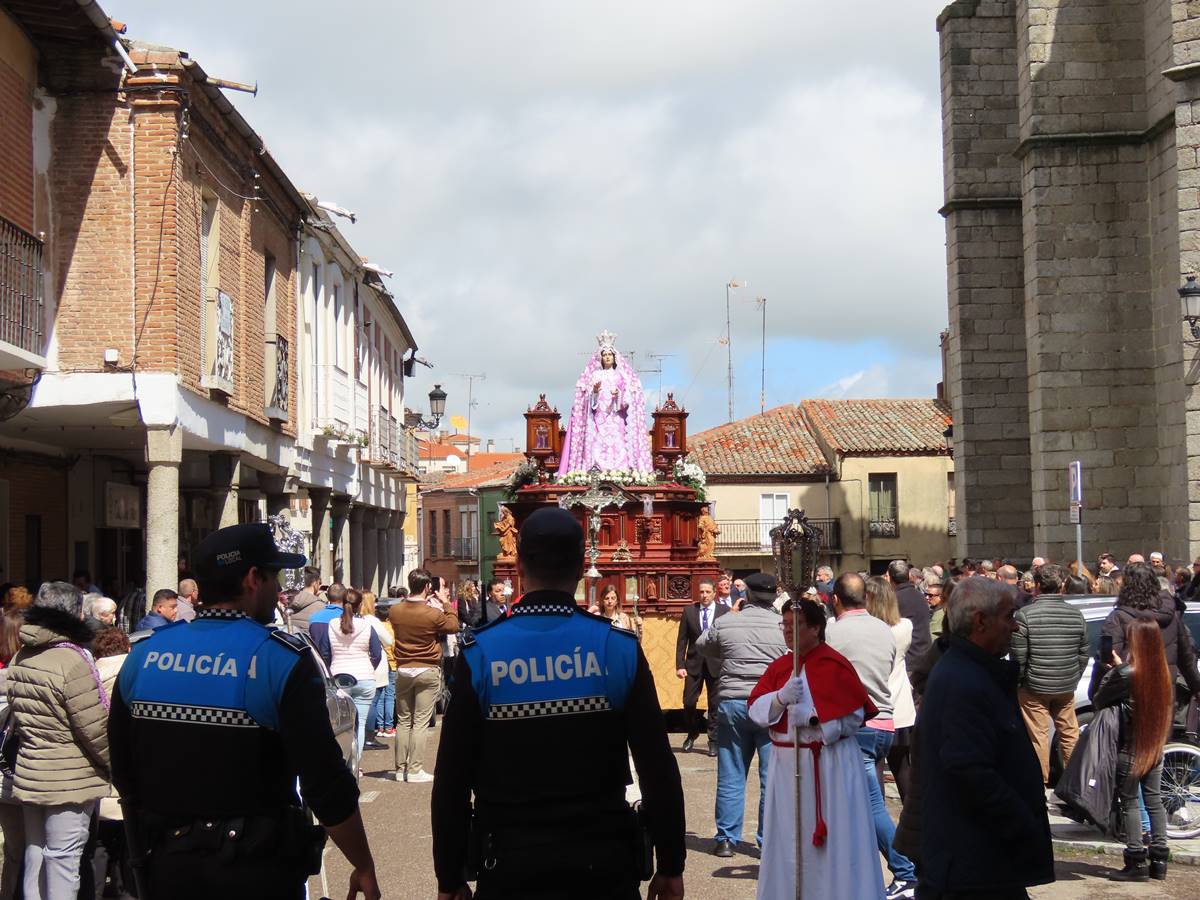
[(607, 428), (839, 850)]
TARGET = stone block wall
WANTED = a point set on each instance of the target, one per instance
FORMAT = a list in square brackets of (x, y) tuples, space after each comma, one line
[(986, 357), (1107, 202)]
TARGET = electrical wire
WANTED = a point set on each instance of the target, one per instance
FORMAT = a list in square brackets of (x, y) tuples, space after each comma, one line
[(224, 186)]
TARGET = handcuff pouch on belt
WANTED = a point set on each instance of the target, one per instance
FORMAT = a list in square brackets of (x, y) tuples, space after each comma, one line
[(536, 850), (288, 835)]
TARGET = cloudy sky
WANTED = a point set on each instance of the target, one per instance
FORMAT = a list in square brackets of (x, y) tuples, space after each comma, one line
[(536, 171)]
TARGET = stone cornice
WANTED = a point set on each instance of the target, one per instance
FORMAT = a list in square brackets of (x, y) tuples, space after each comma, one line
[(964, 203), (1094, 138)]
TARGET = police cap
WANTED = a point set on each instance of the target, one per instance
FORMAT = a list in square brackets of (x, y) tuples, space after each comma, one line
[(761, 588), (239, 547), (551, 536)]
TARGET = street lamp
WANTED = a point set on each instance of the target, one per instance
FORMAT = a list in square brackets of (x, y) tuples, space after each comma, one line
[(437, 408), (1190, 295)]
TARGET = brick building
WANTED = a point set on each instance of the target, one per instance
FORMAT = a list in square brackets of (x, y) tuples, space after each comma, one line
[(457, 515), (165, 313), (1072, 214)]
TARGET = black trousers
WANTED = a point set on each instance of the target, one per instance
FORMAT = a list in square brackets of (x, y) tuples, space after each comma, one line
[(691, 696), (575, 889), (926, 893), (209, 876)]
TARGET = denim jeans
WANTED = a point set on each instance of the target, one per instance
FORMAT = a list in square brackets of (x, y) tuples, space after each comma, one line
[(737, 740), (362, 694), (54, 840), (875, 745), (383, 707), (1149, 788)]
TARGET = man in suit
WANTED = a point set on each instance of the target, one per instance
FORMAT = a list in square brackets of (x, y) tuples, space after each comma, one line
[(698, 671), (496, 604)]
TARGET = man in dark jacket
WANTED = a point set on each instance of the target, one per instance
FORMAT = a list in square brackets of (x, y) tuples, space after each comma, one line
[(984, 823), (1050, 649), (914, 607)]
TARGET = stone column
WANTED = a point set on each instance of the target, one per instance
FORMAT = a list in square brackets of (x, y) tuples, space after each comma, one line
[(164, 452), (354, 571), (342, 544), (225, 470), (320, 548), (278, 491), (397, 536), (370, 551), (386, 564)]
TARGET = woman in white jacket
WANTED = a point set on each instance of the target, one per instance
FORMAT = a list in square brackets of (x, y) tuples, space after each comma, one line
[(882, 604)]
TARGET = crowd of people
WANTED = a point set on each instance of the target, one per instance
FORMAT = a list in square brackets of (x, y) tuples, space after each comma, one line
[(951, 676), (964, 667)]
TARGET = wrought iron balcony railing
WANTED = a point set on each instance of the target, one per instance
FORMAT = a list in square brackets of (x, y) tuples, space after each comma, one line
[(464, 549), (22, 306), (753, 536)]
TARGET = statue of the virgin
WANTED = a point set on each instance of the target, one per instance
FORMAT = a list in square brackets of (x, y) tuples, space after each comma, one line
[(607, 427)]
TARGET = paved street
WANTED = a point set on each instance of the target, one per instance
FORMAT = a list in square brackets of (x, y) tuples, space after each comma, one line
[(398, 823)]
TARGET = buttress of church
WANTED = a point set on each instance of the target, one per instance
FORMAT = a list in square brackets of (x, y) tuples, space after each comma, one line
[(1072, 208)]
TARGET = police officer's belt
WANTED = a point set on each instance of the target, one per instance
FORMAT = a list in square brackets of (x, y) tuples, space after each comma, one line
[(287, 835), (602, 844)]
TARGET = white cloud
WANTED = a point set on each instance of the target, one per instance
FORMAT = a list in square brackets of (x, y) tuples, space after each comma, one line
[(535, 172)]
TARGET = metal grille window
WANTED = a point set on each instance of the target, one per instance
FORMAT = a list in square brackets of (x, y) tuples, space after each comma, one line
[(884, 512), (433, 551), (21, 304)]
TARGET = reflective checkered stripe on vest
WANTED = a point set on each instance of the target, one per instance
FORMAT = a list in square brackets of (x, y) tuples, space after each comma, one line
[(209, 673), (532, 666)]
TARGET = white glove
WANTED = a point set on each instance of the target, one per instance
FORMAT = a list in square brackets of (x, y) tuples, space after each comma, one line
[(800, 715), (792, 692)]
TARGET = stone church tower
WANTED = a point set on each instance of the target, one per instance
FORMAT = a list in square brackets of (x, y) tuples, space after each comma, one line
[(1072, 207)]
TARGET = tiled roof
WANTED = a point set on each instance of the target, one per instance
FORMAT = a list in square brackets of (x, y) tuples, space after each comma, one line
[(774, 443), (880, 427), (438, 451), (492, 475)]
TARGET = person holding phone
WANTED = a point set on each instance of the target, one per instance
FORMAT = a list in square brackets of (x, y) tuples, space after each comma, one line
[(1141, 597)]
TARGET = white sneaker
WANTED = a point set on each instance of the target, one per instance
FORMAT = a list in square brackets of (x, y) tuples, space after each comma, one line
[(419, 777), (398, 775)]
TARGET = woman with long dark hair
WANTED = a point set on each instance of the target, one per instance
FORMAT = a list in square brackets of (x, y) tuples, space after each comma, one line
[(1142, 686), (355, 650)]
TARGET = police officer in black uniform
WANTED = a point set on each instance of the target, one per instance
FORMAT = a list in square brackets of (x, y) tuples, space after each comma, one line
[(246, 703), (561, 697)]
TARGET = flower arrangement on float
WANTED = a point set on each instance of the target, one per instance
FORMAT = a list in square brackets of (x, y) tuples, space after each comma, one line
[(690, 475), (614, 476)]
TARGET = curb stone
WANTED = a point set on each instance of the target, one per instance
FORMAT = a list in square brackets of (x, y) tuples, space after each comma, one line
[(1179, 857)]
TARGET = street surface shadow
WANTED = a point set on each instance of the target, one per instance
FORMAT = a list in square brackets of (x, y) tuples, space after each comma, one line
[(1078, 870), (739, 873), (697, 844)]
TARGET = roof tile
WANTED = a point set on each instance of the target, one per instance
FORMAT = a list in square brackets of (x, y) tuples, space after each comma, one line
[(776, 442), (880, 427)]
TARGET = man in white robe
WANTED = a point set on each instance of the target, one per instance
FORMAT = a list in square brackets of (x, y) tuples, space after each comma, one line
[(840, 859)]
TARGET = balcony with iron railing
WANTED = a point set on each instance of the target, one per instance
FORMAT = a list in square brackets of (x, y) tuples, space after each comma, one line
[(465, 549), (753, 536), (22, 307)]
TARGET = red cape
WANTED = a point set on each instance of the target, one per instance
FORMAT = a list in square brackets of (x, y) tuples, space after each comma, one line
[(835, 686)]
